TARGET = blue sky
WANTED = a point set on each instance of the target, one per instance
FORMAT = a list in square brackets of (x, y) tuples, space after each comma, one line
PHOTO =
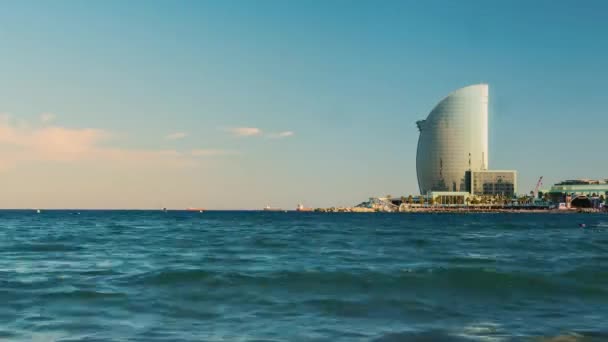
[(239, 104)]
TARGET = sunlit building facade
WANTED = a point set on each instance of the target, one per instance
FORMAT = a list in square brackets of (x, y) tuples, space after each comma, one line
[(493, 183), (453, 140), (570, 190)]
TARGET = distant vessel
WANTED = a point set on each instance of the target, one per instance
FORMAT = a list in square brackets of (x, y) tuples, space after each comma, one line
[(37, 211), (200, 210), (302, 208), (269, 208)]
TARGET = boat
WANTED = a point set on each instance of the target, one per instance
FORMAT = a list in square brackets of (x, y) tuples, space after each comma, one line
[(301, 207), (269, 208), (200, 210)]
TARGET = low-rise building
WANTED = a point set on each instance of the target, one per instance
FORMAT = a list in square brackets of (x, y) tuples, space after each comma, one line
[(580, 192), (449, 197), (492, 183)]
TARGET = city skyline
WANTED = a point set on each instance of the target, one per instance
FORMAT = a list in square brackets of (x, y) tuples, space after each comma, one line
[(241, 105)]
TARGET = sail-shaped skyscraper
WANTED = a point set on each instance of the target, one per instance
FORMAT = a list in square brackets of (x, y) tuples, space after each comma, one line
[(453, 140)]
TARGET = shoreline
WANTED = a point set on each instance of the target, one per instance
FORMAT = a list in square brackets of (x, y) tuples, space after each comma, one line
[(467, 211)]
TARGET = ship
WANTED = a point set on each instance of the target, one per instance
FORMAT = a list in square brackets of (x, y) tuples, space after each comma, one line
[(200, 210), (301, 207)]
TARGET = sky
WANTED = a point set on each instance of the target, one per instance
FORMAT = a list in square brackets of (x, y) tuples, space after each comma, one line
[(243, 104)]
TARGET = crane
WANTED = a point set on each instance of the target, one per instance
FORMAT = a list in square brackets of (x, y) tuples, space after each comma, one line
[(538, 185)]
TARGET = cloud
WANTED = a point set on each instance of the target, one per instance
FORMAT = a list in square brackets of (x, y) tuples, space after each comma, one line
[(245, 131), (23, 143), (47, 117), (211, 152), (254, 131), (281, 135), (176, 136), (47, 143)]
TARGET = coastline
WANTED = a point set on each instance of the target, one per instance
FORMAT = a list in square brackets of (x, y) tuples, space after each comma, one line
[(468, 211)]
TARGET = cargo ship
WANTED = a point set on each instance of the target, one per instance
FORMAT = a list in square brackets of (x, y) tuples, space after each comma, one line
[(301, 207)]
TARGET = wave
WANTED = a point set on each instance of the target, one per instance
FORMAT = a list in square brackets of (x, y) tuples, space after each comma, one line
[(44, 247), (416, 336), (378, 307), (449, 336), (468, 280), (84, 295)]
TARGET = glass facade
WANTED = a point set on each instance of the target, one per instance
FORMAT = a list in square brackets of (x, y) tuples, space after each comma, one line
[(560, 191), (492, 183), (453, 139)]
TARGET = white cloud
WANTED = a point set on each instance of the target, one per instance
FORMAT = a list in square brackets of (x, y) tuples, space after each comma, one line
[(210, 152), (245, 131), (23, 143), (176, 136), (281, 135), (47, 117), (254, 131)]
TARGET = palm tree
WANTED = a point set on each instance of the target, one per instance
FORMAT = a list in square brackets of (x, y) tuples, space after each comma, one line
[(484, 200), (503, 200)]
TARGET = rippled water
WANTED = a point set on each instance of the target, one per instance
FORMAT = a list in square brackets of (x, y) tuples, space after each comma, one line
[(271, 276)]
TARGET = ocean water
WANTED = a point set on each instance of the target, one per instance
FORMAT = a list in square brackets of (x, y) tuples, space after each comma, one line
[(273, 276)]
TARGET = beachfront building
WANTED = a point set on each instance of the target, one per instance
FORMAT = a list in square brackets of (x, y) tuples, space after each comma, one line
[(501, 183), (582, 193), (449, 198), (453, 140)]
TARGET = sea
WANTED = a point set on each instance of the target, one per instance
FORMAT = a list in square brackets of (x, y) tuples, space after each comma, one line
[(73, 275)]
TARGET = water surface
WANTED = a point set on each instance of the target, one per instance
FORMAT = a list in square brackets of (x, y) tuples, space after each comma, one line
[(273, 276)]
